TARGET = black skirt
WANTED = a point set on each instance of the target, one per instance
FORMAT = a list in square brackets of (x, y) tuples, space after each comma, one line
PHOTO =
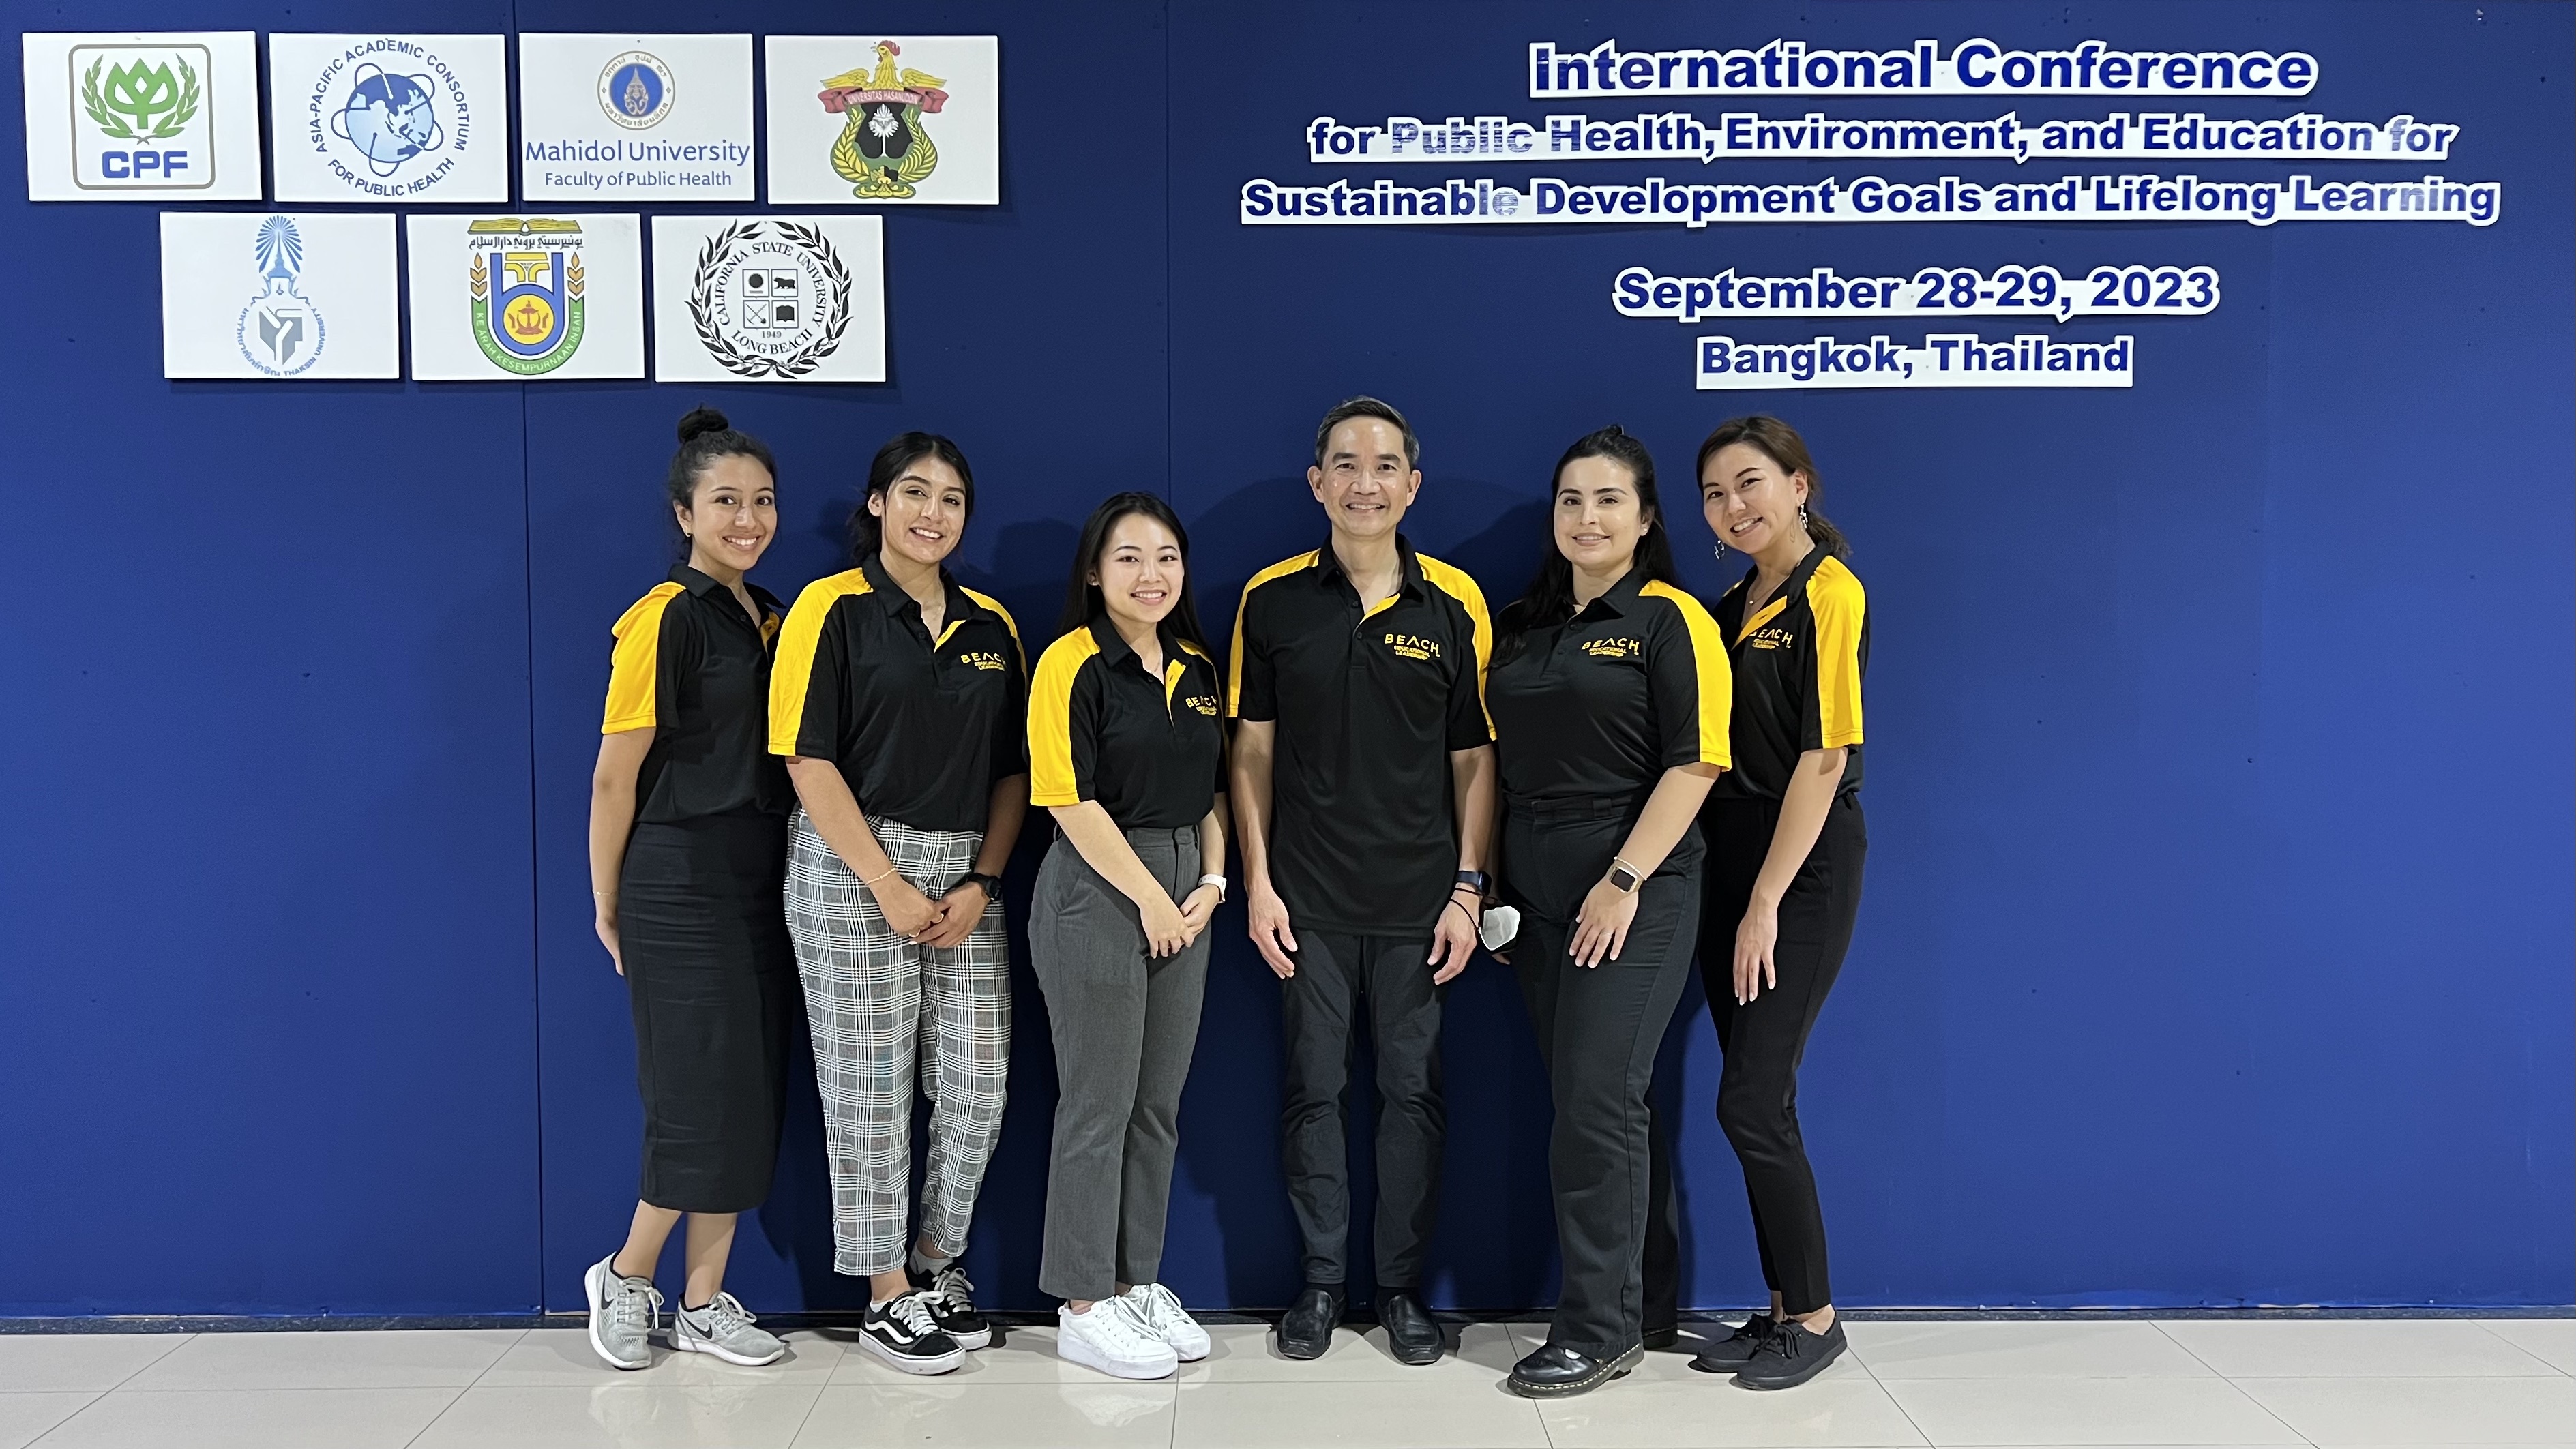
[(712, 978)]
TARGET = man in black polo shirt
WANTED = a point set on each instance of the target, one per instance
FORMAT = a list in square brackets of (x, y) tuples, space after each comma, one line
[(1364, 798)]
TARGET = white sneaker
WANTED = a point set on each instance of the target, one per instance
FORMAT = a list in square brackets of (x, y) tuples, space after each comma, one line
[(623, 1314), (1110, 1339), (1161, 1314), (724, 1328)]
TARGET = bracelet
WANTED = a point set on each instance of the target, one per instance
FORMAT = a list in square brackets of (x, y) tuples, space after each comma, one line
[(881, 875)]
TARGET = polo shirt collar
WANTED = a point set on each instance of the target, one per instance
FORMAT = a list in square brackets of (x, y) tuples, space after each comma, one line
[(893, 598), (706, 585), (1328, 566), (1798, 576), (1116, 652), (1621, 597)]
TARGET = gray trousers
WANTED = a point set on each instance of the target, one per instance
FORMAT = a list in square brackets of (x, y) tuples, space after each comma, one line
[(1125, 1025)]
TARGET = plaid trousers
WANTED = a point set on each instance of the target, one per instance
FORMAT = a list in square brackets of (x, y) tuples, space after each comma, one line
[(866, 989)]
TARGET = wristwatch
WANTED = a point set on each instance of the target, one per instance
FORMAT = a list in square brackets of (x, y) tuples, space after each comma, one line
[(1477, 881), (992, 884), (1623, 878)]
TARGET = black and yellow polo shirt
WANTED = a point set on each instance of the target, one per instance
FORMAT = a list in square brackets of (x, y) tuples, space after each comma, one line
[(691, 666), (1150, 750), (1798, 665), (1370, 699), (922, 728), (1599, 706)]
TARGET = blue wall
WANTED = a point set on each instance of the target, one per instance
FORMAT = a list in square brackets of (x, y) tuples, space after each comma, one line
[(2218, 940)]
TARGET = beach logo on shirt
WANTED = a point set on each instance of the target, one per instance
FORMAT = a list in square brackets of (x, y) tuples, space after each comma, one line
[(1202, 703), (1614, 648), (1413, 646), (1772, 639), (984, 659), (524, 285)]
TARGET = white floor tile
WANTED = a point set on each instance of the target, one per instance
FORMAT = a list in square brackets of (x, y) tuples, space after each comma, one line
[(340, 1359), (51, 1362), (2423, 1411), (928, 1413), (1355, 1415), (2351, 1348), (2551, 1340), (255, 1419), (2052, 1349), (624, 1416), (2071, 1411), (1668, 1405), (561, 1357), (25, 1416)]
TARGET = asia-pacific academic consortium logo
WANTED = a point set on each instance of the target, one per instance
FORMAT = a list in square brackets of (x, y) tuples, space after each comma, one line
[(140, 117), (280, 331), (401, 110), (770, 298), (524, 286), (636, 90), (882, 150)]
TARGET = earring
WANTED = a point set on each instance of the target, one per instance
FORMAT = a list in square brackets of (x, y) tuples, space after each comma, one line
[(1802, 515), (1721, 553)]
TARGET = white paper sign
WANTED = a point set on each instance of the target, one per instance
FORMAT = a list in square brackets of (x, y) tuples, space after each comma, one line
[(142, 117), (261, 295), (769, 299), (635, 117), (525, 298), (866, 120), (379, 117)]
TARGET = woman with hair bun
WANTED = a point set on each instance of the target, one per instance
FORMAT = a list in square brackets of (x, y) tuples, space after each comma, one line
[(1785, 846), (688, 852)]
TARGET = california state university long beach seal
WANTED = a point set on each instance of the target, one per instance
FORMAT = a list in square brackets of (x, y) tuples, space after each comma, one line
[(770, 298), (524, 283), (882, 149)]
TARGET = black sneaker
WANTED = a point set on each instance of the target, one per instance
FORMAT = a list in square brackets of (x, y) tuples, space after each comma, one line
[(952, 1305), (1730, 1354), (903, 1332), (1792, 1355)]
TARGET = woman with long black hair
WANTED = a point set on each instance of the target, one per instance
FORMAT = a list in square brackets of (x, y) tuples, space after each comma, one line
[(1609, 695), (1785, 847), (1127, 752), (688, 847), (899, 700)]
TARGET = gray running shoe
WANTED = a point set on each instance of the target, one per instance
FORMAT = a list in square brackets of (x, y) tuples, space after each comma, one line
[(623, 1314), (723, 1328)]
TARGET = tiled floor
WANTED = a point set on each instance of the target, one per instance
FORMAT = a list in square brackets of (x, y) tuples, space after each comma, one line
[(2199, 1382)]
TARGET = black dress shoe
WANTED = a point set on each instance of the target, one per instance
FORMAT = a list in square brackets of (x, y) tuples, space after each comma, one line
[(1555, 1373), (1791, 1356), (1411, 1332), (1730, 1354), (1306, 1329), (1664, 1337)]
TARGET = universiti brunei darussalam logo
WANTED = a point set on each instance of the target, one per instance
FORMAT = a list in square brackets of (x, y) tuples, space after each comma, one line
[(280, 332), (524, 283), (882, 150), (770, 298)]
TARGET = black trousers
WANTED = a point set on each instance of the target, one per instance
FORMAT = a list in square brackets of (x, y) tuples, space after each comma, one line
[(1757, 1092), (1598, 1030), (1318, 1009), (711, 977)]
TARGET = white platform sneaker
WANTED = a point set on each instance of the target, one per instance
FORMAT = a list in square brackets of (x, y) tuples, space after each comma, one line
[(1111, 1339), (1160, 1314)]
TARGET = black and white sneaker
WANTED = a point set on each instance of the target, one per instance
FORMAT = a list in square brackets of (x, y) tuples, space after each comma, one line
[(952, 1305), (903, 1332)]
